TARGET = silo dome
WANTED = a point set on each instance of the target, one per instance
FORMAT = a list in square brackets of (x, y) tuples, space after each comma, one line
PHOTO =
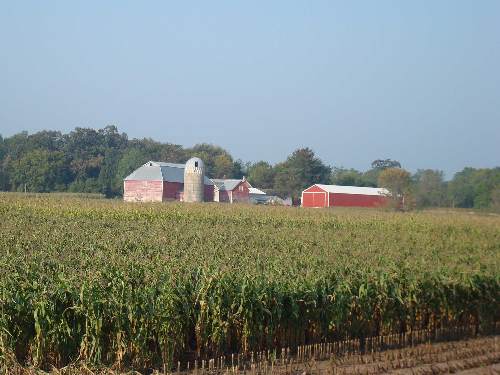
[(195, 163), (194, 176)]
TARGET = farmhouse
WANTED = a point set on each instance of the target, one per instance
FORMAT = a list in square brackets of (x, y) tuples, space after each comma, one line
[(232, 190), (158, 181), (320, 195)]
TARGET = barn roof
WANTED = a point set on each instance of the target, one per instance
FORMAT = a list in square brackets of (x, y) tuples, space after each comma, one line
[(226, 184), (361, 190), (160, 171)]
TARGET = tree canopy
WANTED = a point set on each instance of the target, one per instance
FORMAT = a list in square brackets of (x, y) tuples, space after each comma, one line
[(397, 182), (261, 174), (300, 170), (430, 188)]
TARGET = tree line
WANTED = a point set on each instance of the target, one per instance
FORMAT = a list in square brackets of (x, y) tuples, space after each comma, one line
[(96, 161)]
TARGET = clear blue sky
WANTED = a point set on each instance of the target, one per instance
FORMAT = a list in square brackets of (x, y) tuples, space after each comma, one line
[(354, 80)]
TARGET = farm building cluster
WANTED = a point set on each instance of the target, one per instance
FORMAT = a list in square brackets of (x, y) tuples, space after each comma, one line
[(159, 182)]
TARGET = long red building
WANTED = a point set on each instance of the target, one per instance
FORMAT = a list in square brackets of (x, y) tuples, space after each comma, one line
[(320, 195)]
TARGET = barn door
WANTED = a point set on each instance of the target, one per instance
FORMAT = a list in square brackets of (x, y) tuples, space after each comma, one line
[(319, 199)]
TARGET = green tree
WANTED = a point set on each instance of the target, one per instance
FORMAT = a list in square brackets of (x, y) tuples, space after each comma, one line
[(223, 166), (98, 159), (110, 138), (85, 148), (171, 153), (382, 164), (261, 175), (83, 144), (218, 162), (429, 188), (17, 145), (48, 140), (3, 151), (348, 177), (300, 170), (370, 177), (239, 169), (107, 173), (40, 171), (130, 160), (4, 177), (472, 188), (495, 199), (397, 182)]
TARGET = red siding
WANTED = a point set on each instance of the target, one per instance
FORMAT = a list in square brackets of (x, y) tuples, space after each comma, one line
[(209, 193), (314, 199), (241, 193), (142, 191), (174, 191), (356, 200), (158, 191), (223, 196), (314, 196), (171, 190)]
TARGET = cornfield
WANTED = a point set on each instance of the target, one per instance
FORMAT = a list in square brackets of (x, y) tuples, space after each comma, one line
[(143, 286)]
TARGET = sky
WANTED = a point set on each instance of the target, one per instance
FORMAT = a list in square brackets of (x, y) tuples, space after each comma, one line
[(355, 81)]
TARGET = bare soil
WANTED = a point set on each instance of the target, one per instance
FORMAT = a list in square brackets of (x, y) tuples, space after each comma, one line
[(466, 357), (474, 356)]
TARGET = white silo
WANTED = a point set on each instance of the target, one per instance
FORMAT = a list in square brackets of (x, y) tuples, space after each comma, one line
[(194, 176)]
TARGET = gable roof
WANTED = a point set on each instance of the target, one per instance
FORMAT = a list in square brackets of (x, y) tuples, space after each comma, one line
[(361, 190), (160, 171), (227, 184)]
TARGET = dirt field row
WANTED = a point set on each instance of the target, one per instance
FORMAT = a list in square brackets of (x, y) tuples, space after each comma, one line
[(467, 357), (474, 356)]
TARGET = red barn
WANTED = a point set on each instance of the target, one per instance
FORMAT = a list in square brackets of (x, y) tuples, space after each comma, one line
[(158, 182), (343, 196), (231, 190)]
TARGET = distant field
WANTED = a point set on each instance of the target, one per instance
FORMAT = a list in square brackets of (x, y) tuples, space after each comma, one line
[(147, 284)]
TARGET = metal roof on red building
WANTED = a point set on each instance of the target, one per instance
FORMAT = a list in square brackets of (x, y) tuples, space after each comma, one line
[(160, 171), (227, 184), (362, 190)]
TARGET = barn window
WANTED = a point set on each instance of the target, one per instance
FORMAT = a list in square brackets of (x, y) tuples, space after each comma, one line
[(196, 164)]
